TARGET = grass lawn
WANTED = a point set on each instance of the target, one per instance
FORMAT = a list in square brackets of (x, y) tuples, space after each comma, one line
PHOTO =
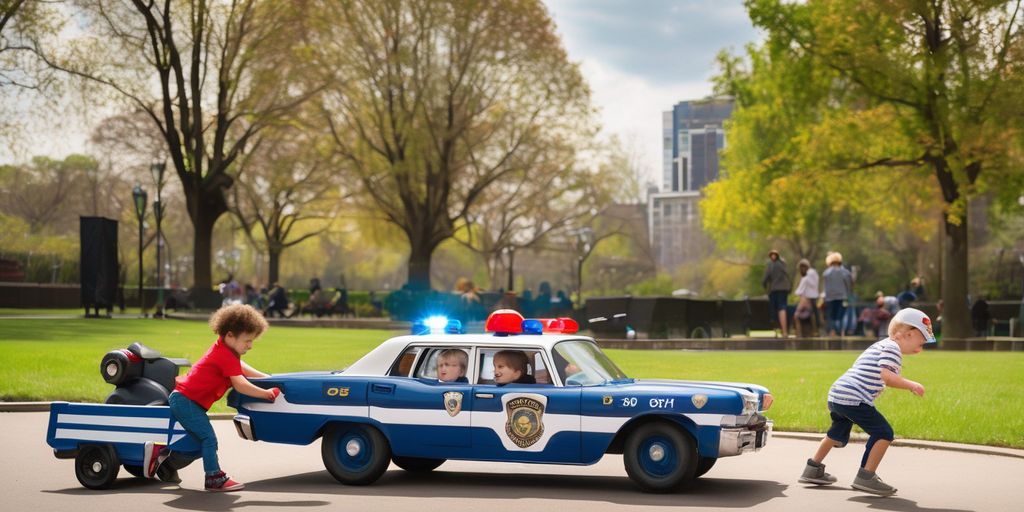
[(972, 397)]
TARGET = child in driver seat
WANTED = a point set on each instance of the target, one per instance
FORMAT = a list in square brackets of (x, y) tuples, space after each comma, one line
[(451, 365)]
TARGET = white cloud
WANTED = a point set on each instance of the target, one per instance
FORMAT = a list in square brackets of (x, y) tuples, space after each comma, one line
[(641, 58), (631, 108)]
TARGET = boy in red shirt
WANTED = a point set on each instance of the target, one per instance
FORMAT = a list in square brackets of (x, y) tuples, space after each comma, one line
[(237, 326)]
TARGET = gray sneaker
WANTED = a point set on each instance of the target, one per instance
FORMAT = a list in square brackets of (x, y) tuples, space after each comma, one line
[(815, 473), (868, 481)]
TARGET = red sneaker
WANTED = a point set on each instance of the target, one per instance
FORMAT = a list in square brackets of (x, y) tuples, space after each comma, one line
[(219, 482), (155, 455)]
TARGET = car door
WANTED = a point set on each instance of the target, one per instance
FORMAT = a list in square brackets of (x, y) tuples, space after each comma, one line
[(420, 415), (537, 422)]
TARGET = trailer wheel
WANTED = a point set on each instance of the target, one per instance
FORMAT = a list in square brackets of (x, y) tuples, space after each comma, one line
[(417, 464), (355, 454), (96, 466)]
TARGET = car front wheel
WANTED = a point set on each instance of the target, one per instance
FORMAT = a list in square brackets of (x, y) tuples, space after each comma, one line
[(355, 454), (660, 457)]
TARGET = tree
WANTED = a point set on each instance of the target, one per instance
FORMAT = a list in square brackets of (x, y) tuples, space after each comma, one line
[(44, 193), (436, 101), (544, 197), (937, 84), (288, 179), (210, 75)]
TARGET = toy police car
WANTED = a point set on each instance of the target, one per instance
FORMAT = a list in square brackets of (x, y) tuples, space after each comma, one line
[(572, 406)]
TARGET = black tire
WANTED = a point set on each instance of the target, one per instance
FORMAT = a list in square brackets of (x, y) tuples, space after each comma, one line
[(96, 466), (704, 464), (660, 457), (417, 464), (135, 471), (355, 454)]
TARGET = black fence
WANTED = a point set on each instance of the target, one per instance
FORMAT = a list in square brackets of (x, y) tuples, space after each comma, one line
[(674, 317)]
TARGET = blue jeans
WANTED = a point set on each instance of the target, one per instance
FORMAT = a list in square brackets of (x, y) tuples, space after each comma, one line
[(193, 417), (866, 417), (834, 312)]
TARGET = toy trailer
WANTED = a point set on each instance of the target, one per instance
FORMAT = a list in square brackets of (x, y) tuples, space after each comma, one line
[(103, 437)]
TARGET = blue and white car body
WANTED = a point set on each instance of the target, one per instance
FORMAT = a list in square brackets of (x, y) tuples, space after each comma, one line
[(390, 405)]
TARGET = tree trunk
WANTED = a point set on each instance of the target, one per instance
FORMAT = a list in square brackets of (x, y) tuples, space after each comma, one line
[(273, 267), (203, 222), (955, 314), (419, 265)]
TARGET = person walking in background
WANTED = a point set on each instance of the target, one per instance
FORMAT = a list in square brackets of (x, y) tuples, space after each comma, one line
[(838, 287), (777, 283), (807, 294)]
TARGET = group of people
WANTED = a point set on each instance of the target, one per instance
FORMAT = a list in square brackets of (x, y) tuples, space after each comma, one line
[(832, 293)]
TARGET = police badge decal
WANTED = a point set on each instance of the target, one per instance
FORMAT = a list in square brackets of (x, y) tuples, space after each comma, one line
[(525, 424), (453, 403)]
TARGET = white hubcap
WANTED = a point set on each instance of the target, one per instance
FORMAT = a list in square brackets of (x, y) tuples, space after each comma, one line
[(657, 452), (97, 467), (353, 447)]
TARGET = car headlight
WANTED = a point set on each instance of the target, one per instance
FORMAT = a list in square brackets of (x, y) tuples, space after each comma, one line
[(766, 401), (749, 404)]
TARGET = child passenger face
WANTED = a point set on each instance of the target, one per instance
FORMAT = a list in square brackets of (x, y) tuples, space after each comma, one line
[(449, 369), (503, 373)]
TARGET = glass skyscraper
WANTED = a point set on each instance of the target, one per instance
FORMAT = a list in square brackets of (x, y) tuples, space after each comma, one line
[(693, 134)]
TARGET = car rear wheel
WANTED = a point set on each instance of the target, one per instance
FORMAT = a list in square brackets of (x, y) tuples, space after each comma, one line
[(417, 464), (660, 457), (355, 454), (96, 466), (704, 464)]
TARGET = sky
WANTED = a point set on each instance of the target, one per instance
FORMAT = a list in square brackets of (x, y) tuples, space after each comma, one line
[(640, 57)]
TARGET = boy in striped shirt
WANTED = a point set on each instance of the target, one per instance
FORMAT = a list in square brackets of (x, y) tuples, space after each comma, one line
[(851, 400)]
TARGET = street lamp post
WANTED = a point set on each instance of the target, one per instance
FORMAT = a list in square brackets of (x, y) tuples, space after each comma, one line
[(158, 213), (139, 196)]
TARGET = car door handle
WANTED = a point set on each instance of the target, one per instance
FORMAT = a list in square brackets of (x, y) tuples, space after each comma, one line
[(484, 395), (382, 388)]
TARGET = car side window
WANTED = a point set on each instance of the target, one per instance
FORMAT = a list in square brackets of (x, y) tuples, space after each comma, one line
[(511, 366), (447, 364), (403, 365)]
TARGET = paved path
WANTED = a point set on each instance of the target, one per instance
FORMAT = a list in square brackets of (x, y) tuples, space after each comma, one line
[(293, 478)]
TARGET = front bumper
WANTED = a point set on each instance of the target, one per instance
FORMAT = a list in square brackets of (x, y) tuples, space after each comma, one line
[(736, 440)]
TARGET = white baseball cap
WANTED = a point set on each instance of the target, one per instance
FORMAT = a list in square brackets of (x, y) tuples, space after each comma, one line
[(916, 318)]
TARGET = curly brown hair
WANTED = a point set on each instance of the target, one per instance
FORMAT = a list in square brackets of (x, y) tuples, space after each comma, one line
[(238, 319)]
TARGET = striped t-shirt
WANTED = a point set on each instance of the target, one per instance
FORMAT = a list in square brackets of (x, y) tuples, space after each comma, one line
[(862, 383)]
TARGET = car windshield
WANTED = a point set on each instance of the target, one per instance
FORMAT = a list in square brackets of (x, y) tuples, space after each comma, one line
[(581, 363)]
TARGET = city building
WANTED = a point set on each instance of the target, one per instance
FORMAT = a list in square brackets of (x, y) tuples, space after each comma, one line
[(693, 134)]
